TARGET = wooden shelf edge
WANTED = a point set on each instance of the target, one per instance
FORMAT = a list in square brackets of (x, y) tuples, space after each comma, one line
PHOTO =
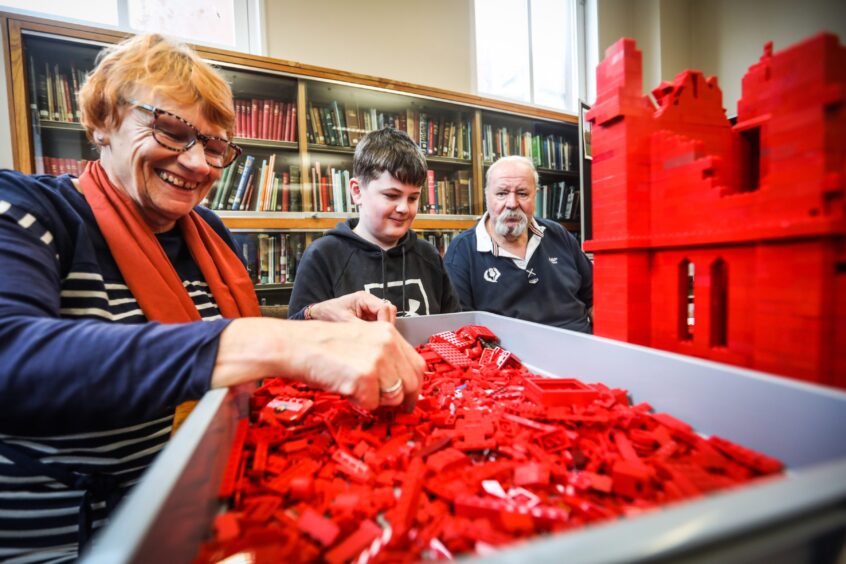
[(260, 221)]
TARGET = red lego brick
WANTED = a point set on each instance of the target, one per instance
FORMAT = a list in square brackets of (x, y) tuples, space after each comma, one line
[(352, 466), (351, 546), (451, 355), (559, 391), (290, 409), (318, 527)]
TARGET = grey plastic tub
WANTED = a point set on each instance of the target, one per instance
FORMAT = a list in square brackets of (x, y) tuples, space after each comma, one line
[(800, 517)]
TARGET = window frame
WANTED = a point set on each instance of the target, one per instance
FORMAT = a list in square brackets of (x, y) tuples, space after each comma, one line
[(249, 30), (580, 64)]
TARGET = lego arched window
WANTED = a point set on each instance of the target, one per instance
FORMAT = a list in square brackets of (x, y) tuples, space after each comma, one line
[(719, 303), (686, 310)]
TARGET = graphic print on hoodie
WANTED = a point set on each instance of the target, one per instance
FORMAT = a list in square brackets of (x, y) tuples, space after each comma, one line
[(411, 275)]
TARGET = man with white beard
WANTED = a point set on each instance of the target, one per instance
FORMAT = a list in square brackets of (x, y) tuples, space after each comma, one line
[(515, 264)]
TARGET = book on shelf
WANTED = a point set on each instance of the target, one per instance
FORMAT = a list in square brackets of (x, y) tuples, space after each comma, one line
[(265, 114), (242, 182), (272, 258), (354, 130), (343, 125), (296, 203), (448, 194), (264, 118), (558, 201), (545, 151), (57, 166), (569, 207), (284, 203), (54, 91)]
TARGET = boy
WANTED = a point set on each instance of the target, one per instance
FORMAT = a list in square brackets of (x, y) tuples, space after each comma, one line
[(378, 252)]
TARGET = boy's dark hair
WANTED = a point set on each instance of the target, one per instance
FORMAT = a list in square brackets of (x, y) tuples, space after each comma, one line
[(392, 150)]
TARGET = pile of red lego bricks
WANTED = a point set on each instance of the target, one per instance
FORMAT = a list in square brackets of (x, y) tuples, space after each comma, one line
[(490, 455)]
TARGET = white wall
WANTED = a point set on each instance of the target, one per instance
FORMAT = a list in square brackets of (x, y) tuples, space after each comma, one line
[(729, 35), (428, 42), (6, 159), (718, 37)]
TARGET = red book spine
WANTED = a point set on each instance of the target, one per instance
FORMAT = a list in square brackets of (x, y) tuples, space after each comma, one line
[(266, 113), (279, 116), (292, 123), (286, 191), (430, 180), (315, 196), (239, 115), (254, 117), (324, 195)]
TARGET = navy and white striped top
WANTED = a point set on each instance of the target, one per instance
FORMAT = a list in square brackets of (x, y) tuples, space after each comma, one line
[(86, 382)]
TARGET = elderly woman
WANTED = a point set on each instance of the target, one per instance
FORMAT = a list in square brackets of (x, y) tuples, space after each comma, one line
[(120, 299)]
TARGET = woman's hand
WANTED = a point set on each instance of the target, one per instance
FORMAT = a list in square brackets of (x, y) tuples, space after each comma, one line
[(358, 305), (369, 362)]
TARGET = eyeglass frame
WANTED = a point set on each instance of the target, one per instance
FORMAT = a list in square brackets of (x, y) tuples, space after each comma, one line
[(198, 136)]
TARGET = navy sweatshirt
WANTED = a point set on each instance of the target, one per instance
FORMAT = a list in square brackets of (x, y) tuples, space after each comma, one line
[(556, 288), (411, 275), (87, 384)]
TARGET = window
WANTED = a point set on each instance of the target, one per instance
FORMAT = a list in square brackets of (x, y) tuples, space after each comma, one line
[(230, 24), (686, 319), (750, 159), (526, 51), (719, 303)]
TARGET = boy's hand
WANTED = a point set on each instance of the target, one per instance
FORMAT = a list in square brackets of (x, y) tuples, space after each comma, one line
[(358, 305)]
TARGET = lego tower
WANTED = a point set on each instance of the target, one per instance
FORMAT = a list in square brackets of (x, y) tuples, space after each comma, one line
[(725, 241)]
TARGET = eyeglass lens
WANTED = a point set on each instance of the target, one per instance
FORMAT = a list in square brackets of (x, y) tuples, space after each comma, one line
[(173, 132)]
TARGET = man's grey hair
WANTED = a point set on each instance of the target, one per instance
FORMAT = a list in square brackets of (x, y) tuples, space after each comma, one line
[(511, 159)]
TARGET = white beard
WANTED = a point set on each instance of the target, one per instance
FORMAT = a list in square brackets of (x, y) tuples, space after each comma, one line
[(508, 231)]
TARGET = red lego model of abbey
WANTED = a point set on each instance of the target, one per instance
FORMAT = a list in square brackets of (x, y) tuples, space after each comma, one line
[(725, 241)]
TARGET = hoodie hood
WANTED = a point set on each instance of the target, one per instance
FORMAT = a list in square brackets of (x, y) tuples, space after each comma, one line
[(345, 231)]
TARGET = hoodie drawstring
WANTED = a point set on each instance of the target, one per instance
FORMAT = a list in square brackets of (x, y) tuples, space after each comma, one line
[(403, 281), (384, 276)]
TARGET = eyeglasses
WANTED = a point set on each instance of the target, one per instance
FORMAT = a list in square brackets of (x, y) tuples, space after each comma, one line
[(177, 134)]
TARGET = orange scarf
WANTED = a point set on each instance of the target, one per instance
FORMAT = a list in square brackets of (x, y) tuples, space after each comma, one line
[(148, 272)]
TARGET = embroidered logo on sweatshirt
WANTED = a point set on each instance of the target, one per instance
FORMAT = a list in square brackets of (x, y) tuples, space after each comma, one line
[(492, 275), (553, 260)]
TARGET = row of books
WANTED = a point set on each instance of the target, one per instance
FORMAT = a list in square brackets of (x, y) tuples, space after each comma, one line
[(439, 239), (253, 185), (447, 195), (250, 185), (272, 258), (54, 90), (266, 119), (342, 125), (558, 201), (546, 151), (57, 166)]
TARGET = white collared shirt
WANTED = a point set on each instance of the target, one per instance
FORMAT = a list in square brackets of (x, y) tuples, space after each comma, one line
[(485, 244)]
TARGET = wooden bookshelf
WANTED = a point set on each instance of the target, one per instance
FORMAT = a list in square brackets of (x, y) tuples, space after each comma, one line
[(449, 125)]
